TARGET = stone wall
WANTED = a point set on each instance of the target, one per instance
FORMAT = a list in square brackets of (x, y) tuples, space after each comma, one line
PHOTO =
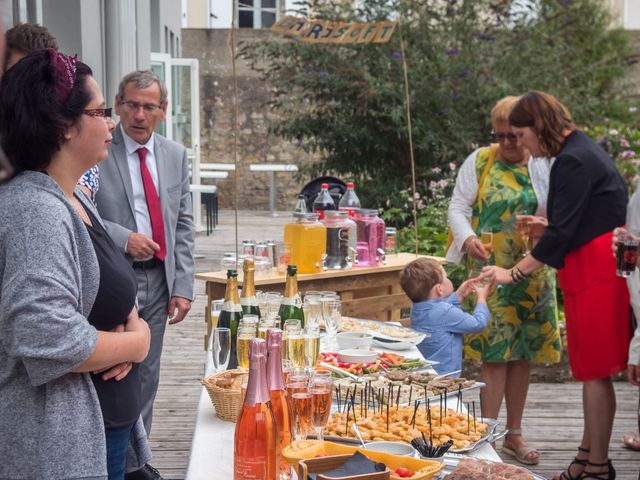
[(256, 145)]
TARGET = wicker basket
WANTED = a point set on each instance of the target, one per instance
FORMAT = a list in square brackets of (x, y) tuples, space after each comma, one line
[(226, 401)]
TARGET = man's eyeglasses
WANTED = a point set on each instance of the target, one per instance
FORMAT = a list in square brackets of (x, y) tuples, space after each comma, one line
[(135, 106), (98, 112), (501, 137)]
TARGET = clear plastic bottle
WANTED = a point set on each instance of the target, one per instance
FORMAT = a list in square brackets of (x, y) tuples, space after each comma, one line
[(341, 240), (323, 201), (349, 201)]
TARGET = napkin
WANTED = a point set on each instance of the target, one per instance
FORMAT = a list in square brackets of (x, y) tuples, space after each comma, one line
[(358, 464)]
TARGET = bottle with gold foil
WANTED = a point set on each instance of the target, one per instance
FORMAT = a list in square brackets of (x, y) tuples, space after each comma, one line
[(231, 314), (248, 295), (256, 455), (278, 395), (291, 306)]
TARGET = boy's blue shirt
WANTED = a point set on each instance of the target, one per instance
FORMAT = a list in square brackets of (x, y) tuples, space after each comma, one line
[(446, 322)]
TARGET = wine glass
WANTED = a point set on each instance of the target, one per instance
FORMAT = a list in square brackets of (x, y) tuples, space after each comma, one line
[(332, 314), (221, 349), (522, 226), (321, 390), (486, 238), (301, 407)]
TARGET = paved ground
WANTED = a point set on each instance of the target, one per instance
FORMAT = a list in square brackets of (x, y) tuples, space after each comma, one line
[(553, 416)]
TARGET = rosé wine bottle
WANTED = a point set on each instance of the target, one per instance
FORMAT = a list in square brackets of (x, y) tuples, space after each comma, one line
[(255, 449), (278, 395)]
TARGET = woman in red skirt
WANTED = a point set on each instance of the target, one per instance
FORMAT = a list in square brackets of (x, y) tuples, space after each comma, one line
[(587, 200)]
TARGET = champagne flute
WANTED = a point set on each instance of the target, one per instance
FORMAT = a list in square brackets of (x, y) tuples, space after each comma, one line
[(221, 349), (486, 238), (332, 314), (246, 333), (321, 390), (301, 414), (522, 226)]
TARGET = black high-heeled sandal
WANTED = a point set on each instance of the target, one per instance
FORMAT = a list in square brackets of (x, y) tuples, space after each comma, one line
[(610, 473), (566, 475)]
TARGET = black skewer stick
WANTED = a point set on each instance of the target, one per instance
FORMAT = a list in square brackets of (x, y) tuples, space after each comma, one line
[(416, 404), (398, 397), (474, 416), (338, 395), (346, 399), (468, 423), (445, 403), (430, 429), (410, 393), (361, 402), (388, 402), (459, 403), (440, 408)]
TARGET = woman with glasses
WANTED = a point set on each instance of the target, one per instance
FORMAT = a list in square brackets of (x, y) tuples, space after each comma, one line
[(494, 185), (587, 201), (70, 331)]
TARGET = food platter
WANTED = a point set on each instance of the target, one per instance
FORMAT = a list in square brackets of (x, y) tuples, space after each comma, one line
[(434, 390), (451, 461), (385, 335), (489, 437)]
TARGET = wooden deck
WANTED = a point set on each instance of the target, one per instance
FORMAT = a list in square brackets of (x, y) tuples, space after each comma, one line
[(553, 415)]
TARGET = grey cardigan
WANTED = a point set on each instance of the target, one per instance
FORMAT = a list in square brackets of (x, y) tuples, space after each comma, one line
[(50, 421)]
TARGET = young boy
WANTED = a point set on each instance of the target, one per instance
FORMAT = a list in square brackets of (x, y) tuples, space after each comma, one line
[(436, 310)]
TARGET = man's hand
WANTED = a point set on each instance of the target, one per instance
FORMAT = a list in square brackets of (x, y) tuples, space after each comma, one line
[(178, 309), (633, 374), (140, 246), (474, 247)]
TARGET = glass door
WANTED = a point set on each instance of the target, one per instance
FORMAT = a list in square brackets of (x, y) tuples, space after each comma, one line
[(182, 124)]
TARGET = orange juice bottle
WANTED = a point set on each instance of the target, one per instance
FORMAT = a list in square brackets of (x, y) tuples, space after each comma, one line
[(308, 240)]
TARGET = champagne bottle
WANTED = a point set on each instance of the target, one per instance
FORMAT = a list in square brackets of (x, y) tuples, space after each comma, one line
[(231, 314), (278, 396), (291, 306), (248, 295), (255, 450)]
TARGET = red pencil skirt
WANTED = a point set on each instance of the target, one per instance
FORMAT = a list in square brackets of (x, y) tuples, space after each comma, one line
[(597, 311)]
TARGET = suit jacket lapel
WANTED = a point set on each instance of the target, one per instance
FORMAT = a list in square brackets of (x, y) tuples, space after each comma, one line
[(120, 157)]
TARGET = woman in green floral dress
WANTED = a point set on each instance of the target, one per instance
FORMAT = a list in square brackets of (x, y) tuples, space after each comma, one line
[(495, 184)]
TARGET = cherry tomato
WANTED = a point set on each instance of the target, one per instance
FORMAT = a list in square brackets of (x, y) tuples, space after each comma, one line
[(403, 473)]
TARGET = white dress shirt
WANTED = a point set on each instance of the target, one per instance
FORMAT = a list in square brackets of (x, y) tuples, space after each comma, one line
[(466, 191), (143, 220)]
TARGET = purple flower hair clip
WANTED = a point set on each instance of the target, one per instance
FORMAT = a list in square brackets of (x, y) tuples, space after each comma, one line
[(64, 72)]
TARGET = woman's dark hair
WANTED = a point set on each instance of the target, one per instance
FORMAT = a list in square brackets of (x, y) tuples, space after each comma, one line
[(547, 116), (33, 116)]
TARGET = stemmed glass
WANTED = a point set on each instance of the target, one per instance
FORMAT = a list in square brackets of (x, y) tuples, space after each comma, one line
[(321, 390), (522, 226), (221, 348), (332, 315)]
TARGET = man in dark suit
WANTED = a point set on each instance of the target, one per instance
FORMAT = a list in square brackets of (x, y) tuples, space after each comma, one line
[(145, 201)]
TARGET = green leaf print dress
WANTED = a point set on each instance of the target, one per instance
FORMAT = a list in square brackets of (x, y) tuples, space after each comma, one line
[(524, 320)]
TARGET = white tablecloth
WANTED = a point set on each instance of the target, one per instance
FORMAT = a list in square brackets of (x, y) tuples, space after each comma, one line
[(212, 445)]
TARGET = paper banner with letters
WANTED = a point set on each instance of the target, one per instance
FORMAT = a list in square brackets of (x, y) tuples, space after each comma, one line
[(322, 31)]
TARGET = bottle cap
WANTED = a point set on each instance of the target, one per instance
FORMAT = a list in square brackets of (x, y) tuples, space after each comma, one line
[(292, 269), (232, 273), (274, 338), (324, 185), (257, 347)]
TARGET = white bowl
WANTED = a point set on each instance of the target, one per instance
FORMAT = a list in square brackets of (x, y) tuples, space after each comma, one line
[(354, 340), (357, 356), (396, 448)]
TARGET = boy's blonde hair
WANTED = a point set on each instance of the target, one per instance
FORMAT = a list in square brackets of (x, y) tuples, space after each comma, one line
[(419, 277)]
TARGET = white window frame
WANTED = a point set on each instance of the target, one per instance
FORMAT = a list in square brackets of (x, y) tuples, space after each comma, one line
[(257, 10)]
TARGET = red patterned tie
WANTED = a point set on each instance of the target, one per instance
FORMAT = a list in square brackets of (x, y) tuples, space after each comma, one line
[(153, 205)]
